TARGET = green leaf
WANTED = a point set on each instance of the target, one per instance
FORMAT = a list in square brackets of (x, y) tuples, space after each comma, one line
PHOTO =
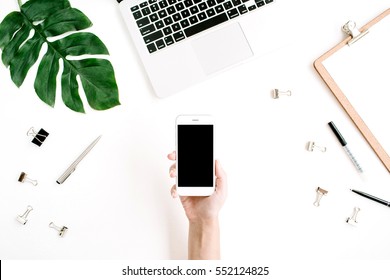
[(11, 23), (45, 19), (98, 79), (26, 56), (70, 90), (46, 81), (64, 21)]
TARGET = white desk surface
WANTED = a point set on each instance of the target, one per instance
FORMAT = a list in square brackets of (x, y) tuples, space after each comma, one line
[(117, 204)]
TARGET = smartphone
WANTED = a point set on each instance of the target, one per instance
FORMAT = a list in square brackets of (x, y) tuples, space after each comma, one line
[(195, 164)]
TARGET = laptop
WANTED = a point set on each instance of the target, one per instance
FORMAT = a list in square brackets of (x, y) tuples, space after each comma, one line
[(183, 42)]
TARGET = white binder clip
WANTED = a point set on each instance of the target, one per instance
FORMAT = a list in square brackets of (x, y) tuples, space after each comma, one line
[(352, 220), (310, 146), (276, 93), (351, 29), (320, 193), (23, 218), (61, 230)]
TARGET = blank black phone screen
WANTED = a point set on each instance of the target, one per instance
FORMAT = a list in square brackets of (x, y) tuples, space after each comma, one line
[(195, 155)]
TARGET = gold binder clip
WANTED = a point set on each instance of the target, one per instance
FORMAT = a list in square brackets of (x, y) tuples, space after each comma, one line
[(352, 220), (23, 179), (320, 193), (310, 146), (276, 93)]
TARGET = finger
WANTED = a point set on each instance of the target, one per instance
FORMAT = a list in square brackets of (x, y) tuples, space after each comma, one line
[(221, 181), (172, 171), (173, 191), (172, 156)]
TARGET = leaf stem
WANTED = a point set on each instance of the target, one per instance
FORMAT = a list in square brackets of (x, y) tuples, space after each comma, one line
[(20, 3)]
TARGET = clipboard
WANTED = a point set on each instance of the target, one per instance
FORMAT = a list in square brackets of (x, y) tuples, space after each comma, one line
[(357, 71)]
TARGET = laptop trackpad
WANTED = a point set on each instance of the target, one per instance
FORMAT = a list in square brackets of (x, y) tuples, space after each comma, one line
[(222, 48)]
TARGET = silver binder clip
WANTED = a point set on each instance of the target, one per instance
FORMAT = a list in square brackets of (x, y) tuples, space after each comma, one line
[(310, 146), (23, 218), (352, 220), (276, 93), (320, 193), (39, 137), (61, 230), (351, 29), (23, 179)]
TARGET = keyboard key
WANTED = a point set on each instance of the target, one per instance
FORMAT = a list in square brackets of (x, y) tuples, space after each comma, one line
[(176, 17), (194, 10), (168, 21), (146, 11), (151, 48), (154, 7), (169, 40), (179, 36), (236, 2), (163, 4), (269, 1), (152, 1), (143, 22), (171, 10), (162, 14), (176, 27), (232, 13), (188, 3), (160, 44), (147, 29), (220, 1), (244, 1), (193, 19), (219, 9), (242, 9), (179, 6), (137, 15), (185, 23), (133, 9), (228, 5), (171, 2), (197, 1), (185, 13), (194, 29), (153, 17), (202, 6), (153, 37), (143, 4), (259, 3), (202, 16), (210, 12), (167, 31), (159, 24), (251, 8), (211, 3)]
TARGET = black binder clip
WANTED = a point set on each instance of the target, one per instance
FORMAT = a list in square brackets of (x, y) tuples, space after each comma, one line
[(39, 137)]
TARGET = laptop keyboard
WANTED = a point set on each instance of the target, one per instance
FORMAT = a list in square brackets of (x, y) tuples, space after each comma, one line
[(165, 22)]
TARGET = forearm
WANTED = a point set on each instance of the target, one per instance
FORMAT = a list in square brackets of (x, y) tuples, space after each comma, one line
[(203, 240)]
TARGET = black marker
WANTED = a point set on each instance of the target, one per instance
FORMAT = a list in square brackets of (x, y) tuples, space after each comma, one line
[(366, 195), (345, 147)]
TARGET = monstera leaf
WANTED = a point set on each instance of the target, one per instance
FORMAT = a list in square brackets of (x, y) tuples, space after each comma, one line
[(42, 22)]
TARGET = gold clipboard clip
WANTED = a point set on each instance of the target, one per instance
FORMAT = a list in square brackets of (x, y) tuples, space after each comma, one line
[(351, 29)]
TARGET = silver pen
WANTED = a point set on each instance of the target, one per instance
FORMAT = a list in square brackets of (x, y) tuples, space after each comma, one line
[(73, 166)]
